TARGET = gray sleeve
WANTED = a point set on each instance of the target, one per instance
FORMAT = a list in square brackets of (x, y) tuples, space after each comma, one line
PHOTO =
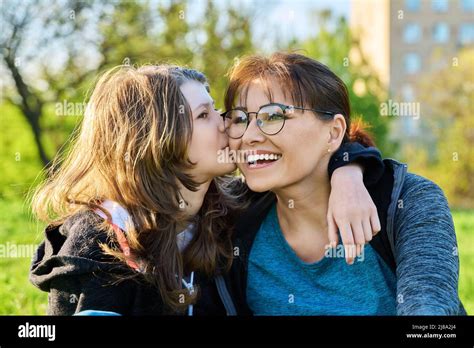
[(425, 251)]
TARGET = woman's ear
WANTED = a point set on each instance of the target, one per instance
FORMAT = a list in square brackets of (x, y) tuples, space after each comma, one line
[(337, 131)]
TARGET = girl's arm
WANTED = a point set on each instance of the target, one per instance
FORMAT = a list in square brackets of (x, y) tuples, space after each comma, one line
[(369, 158), (351, 210)]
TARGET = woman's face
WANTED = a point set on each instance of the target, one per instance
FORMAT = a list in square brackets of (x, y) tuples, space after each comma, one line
[(209, 140), (302, 145)]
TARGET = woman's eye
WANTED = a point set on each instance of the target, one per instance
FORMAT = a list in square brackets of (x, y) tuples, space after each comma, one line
[(203, 115), (276, 117)]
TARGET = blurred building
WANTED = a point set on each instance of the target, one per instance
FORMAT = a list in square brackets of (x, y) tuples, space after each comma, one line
[(404, 39)]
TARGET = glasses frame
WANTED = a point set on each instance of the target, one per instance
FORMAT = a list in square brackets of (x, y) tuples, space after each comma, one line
[(284, 109)]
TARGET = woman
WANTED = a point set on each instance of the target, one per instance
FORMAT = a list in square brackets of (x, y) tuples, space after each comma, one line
[(295, 110), (139, 214)]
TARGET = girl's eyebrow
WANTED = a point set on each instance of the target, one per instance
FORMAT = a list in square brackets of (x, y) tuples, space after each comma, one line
[(207, 104)]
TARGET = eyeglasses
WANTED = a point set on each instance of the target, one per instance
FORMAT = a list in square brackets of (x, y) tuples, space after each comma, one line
[(270, 119)]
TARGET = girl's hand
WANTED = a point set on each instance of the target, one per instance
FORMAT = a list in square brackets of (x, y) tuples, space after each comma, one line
[(352, 211)]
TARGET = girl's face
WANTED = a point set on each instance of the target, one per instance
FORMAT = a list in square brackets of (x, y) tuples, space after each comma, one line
[(209, 140), (302, 145)]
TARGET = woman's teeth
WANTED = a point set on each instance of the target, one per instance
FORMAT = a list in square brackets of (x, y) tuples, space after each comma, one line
[(263, 157)]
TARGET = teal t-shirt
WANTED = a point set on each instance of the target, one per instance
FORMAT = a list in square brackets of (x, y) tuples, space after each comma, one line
[(280, 283)]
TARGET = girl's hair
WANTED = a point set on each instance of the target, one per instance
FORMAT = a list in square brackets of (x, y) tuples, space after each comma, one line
[(306, 81), (132, 148)]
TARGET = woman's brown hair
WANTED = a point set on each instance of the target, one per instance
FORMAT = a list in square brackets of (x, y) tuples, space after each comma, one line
[(306, 81), (132, 148)]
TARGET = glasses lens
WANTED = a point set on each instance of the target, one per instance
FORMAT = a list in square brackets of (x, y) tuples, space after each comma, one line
[(236, 123), (272, 119)]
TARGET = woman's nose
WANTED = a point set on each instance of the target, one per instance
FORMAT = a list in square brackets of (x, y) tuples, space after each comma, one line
[(253, 134)]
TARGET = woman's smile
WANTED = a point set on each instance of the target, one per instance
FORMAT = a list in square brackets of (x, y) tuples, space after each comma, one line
[(261, 159)]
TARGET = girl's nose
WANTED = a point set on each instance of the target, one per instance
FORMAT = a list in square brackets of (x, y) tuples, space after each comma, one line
[(220, 120)]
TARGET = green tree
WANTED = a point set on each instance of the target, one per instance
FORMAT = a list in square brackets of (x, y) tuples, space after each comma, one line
[(126, 35), (228, 35), (65, 23), (447, 101)]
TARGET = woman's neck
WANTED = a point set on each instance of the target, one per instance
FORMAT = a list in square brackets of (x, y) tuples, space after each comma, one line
[(302, 214)]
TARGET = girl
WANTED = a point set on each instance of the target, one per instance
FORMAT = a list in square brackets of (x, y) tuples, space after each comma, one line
[(138, 213), (295, 112)]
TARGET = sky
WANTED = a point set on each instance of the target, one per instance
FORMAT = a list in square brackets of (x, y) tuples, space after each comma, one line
[(298, 12), (292, 17)]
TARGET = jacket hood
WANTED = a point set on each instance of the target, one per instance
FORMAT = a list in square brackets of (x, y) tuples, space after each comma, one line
[(72, 248)]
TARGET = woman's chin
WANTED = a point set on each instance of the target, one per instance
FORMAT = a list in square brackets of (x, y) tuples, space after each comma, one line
[(258, 185)]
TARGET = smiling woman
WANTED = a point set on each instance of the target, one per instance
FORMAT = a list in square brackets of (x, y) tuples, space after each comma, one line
[(302, 115)]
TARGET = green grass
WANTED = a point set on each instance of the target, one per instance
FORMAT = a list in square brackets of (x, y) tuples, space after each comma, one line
[(18, 296), (464, 223)]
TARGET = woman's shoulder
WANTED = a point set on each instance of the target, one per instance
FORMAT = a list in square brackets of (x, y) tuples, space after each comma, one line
[(421, 204), (398, 183), (416, 185)]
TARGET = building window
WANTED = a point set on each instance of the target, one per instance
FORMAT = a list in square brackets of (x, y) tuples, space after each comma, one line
[(439, 5), (466, 33), (467, 5), (441, 32), (412, 33), (408, 93), (412, 5), (412, 63)]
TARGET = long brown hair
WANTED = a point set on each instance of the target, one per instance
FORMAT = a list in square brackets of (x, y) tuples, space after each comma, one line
[(132, 148), (306, 81)]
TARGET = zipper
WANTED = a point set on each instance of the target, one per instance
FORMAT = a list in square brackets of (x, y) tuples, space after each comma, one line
[(225, 296), (399, 177), (190, 287)]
